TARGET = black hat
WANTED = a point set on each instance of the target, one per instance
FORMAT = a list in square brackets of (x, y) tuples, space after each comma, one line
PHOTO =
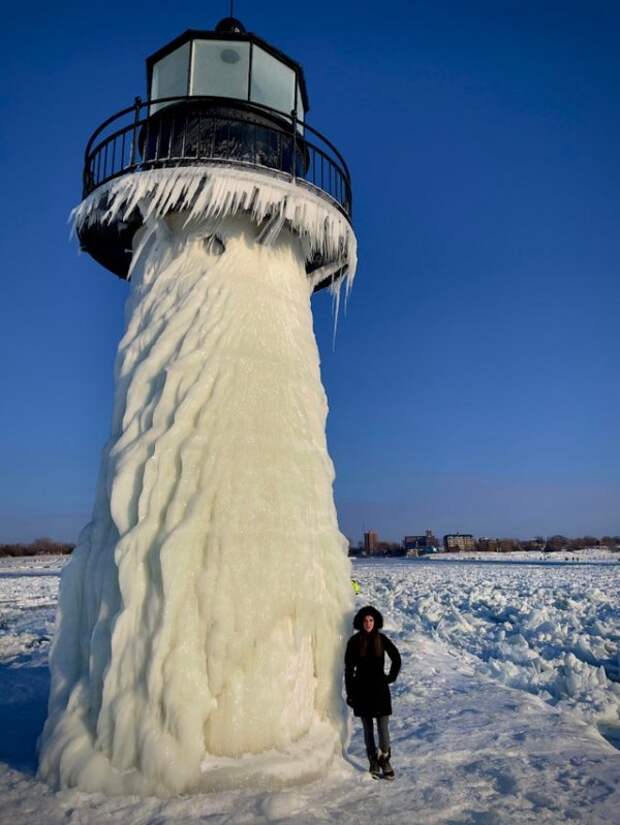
[(369, 610)]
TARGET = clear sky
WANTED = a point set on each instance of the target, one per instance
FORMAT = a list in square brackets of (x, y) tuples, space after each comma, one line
[(474, 385)]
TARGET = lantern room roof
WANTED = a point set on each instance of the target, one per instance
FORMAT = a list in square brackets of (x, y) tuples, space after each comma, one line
[(230, 24), (239, 36)]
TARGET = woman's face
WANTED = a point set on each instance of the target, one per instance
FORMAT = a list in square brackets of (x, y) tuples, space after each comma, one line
[(368, 623)]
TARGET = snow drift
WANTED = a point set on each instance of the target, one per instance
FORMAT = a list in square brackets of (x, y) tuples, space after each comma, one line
[(202, 616)]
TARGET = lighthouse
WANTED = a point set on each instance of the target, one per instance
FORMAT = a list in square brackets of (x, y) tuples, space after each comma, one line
[(202, 615)]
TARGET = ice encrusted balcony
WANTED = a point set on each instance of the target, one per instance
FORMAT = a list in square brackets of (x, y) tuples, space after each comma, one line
[(177, 132)]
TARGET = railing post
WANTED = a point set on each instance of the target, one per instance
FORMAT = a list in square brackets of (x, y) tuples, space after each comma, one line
[(136, 118), (294, 158)]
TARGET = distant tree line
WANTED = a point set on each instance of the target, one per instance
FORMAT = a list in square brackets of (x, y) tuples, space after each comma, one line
[(39, 547), (552, 544)]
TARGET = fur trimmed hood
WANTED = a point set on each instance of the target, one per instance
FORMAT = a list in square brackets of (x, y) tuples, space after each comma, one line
[(369, 610)]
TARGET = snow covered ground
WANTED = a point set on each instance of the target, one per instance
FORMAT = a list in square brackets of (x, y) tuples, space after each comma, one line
[(507, 709)]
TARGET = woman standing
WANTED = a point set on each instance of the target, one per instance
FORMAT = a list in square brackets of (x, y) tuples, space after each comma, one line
[(367, 686)]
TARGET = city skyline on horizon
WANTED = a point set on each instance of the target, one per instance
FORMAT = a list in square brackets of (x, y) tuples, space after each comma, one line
[(73, 525)]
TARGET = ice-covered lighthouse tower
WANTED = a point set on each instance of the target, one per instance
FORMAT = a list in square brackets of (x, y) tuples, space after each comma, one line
[(202, 615)]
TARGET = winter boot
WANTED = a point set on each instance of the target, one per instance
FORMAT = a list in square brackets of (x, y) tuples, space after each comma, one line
[(375, 767), (384, 764)]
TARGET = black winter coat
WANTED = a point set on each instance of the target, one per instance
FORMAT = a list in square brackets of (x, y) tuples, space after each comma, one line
[(366, 684)]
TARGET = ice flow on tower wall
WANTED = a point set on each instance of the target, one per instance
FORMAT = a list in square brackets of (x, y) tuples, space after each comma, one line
[(202, 616)]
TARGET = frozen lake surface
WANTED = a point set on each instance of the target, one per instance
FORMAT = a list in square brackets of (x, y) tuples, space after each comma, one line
[(506, 711)]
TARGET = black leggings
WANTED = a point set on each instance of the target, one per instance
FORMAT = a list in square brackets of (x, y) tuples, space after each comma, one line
[(369, 734)]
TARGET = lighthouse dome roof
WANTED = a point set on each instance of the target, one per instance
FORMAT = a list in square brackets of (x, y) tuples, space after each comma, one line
[(230, 25)]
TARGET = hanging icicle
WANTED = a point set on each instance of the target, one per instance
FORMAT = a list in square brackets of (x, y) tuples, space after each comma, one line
[(210, 192)]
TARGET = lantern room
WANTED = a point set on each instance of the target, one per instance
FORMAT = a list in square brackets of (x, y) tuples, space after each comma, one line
[(220, 99), (228, 63)]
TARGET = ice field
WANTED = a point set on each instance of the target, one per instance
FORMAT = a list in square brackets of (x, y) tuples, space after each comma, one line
[(506, 710)]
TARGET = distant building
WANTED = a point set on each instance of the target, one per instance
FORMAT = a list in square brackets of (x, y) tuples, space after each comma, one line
[(371, 542), (414, 542), (420, 542), (459, 542), (487, 544), (419, 545), (390, 548), (431, 540)]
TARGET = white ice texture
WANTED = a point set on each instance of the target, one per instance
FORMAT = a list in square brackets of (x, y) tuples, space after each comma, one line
[(202, 616), (215, 192)]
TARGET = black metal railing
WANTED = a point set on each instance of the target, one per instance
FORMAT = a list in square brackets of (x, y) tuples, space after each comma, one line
[(199, 130)]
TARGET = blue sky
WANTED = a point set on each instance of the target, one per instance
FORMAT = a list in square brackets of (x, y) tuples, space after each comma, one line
[(474, 385)]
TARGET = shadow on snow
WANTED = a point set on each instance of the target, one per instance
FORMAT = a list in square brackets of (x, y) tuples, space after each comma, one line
[(23, 709)]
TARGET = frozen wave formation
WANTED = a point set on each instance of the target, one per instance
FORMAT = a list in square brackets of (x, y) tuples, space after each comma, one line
[(202, 616)]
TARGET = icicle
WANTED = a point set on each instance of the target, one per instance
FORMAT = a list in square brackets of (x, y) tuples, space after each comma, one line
[(335, 290), (213, 192)]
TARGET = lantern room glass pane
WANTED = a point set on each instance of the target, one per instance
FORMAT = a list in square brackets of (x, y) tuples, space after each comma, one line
[(171, 76), (273, 83), (220, 68)]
